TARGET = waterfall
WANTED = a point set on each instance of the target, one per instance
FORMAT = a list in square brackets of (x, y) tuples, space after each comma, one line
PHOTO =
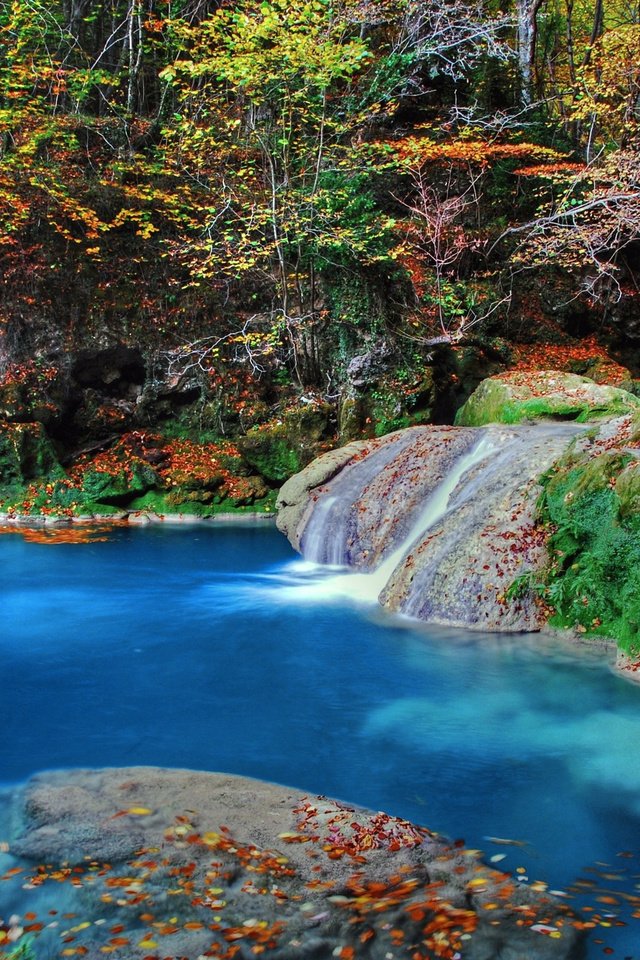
[(437, 522), (435, 507), (326, 534)]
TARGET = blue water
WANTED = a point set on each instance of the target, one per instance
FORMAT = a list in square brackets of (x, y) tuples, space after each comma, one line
[(215, 648)]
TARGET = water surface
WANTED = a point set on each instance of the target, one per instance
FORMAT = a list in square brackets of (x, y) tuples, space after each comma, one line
[(216, 648)]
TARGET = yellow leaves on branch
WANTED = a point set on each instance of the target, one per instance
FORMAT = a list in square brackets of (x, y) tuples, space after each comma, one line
[(610, 83), (141, 219)]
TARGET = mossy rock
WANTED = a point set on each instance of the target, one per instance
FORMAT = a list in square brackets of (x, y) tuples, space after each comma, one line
[(543, 395), (245, 491), (628, 489), (26, 454), (119, 488), (604, 370), (392, 404), (591, 507), (252, 498), (352, 420), (185, 481), (282, 447)]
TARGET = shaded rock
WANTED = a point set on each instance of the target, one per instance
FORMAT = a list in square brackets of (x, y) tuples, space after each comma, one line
[(282, 447), (353, 413), (369, 367), (97, 416), (602, 369), (537, 395), (387, 405), (301, 876), (26, 454), (115, 371)]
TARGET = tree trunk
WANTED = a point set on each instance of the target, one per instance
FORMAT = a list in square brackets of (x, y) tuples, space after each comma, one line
[(527, 15)]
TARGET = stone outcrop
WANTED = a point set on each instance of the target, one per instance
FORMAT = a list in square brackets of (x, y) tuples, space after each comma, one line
[(516, 396), (444, 518), (205, 861)]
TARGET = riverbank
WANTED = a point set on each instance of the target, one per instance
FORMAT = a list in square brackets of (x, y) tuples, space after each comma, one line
[(138, 517)]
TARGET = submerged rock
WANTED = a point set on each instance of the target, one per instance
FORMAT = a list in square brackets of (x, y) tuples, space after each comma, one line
[(206, 861), (542, 395)]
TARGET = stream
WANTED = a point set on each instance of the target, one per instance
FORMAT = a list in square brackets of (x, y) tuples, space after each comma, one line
[(216, 648)]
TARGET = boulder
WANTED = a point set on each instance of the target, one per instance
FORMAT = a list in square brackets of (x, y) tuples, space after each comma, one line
[(296, 494), (367, 368), (441, 520), (282, 447), (211, 860), (516, 396), (26, 454)]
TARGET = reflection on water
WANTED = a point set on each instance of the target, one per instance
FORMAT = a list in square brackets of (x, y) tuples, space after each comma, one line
[(214, 648)]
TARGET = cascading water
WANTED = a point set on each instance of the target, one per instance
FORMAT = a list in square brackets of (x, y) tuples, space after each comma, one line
[(437, 522), (326, 535), (436, 507)]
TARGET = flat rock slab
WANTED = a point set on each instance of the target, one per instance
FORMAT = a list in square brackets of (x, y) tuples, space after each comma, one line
[(153, 863)]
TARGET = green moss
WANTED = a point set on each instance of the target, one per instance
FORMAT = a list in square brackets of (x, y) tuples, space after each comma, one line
[(98, 509), (628, 489), (516, 397), (119, 488), (26, 453), (280, 448), (593, 582), (275, 457), (155, 501), (162, 503)]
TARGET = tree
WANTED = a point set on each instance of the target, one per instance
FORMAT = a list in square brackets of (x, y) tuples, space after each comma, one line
[(527, 24), (269, 100), (592, 227)]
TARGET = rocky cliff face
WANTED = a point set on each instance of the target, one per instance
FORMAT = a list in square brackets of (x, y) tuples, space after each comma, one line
[(443, 518)]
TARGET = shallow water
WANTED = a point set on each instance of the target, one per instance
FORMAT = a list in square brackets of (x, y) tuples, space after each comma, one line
[(215, 648)]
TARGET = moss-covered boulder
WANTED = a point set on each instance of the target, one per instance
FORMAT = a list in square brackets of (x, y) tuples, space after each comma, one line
[(543, 394), (26, 453), (391, 403), (120, 486), (591, 507), (282, 447)]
